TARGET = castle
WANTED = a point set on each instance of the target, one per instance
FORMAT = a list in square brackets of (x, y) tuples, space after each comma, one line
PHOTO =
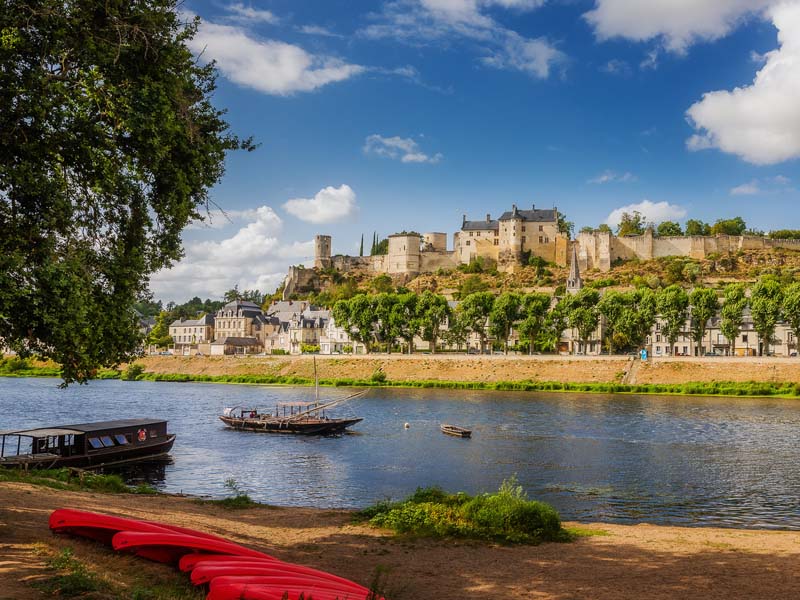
[(510, 240)]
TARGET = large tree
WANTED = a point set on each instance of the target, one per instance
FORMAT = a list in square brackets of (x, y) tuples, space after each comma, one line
[(504, 313), (766, 299), (432, 312), (582, 313), (734, 302), (705, 305), (109, 144), (673, 307), (404, 318), (791, 310), (614, 307), (534, 313), (474, 313)]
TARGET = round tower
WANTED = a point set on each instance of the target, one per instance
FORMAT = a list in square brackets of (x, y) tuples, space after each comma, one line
[(322, 251), (435, 241)]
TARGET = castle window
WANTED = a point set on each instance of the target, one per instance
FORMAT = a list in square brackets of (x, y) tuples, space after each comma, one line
[(523, 228), (478, 234), (470, 234), (497, 242), (546, 240), (541, 227), (541, 239), (496, 232), (523, 238), (467, 242)]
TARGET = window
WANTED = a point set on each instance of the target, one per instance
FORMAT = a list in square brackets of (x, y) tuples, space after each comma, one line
[(523, 238), (497, 242), (121, 439), (541, 227), (496, 232), (467, 244), (470, 234), (685, 350), (540, 239), (523, 228), (95, 443), (744, 338), (658, 338), (107, 441), (478, 234), (546, 240)]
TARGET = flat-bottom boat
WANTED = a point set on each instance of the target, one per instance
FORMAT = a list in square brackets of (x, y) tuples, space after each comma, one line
[(85, 445), (455, 430), (307, 424)]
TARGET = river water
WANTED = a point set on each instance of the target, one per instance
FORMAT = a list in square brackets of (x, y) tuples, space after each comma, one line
[(673, 460)]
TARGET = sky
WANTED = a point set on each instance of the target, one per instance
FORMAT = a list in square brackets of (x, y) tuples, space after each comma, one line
[(385, 115)]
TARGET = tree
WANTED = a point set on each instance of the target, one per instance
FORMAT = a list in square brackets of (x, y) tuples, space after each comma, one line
[(791, 310), (505, 312), (631, 224), (472, 285), (554, 325), (109, 144), (404, 318), (385, 327), (582, 313), (766, 298), (673, 305), (586, 229), (432, 313), (565, 227), (735, 226), (613, 306), (382, 284), (361, 247), (604, 228), (533, 312), (734, 301), (695, 227), (474, 312), (159, 336), (705, 305), (669, 228)]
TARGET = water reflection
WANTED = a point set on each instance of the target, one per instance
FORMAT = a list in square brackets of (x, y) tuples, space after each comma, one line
[(703, 461)]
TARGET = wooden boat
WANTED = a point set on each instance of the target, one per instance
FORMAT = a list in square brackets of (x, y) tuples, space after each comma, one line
[(85, 445), (304, 418), (455, 430)]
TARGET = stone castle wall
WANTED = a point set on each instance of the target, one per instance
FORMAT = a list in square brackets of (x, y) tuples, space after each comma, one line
[(599, 250)]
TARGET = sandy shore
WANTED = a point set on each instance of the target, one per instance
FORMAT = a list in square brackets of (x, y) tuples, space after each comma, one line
[(460, 367), (642, 561)]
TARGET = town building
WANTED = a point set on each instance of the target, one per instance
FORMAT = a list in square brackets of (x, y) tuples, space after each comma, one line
[(188, 334)]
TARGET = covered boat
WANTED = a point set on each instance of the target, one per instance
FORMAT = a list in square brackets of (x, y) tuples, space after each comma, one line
[(85, 445)]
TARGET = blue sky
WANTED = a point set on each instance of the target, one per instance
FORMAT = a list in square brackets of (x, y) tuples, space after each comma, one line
[(405, 114)]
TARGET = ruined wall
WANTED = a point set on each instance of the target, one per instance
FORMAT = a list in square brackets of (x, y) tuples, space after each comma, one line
[(300, 280), (433, 261), (599, 250)]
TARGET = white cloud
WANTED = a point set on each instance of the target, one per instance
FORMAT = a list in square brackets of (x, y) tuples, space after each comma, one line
[(781, 180), (675, 23), (426, 21), (254, 257), (268, 66), (612, 177), (653, 212), (328, 205), (760, 123), (746, 189), (240, 12), (318, 30), (403, 149)]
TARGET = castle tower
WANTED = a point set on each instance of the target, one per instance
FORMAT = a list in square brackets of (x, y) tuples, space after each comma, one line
[(404, 254), (322, 251), (574, 281)]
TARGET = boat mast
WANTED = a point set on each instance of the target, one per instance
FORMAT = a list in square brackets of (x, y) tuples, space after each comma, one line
[(316, 383)]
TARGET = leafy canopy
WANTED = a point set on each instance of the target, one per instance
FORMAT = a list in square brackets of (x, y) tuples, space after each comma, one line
[(109, 144)]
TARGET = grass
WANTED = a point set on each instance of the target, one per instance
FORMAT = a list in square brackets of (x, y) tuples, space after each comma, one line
[(72, 578), (66, 479), (505, 516), (238, 500), (712, 388)]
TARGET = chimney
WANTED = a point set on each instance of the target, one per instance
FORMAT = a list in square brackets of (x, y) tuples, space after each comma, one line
[(488, 217), (533, 207), (464, 221)]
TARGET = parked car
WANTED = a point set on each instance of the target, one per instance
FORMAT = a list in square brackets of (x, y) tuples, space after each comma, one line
[(165, 353)]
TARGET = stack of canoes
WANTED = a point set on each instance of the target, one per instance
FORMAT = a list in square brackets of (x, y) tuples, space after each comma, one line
[(229, 570)]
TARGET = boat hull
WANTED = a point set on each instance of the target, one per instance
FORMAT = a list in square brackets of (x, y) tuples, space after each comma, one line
[(297, 427), (101, 458), (456, 431)]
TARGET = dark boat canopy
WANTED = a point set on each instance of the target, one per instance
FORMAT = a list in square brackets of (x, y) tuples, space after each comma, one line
[(81, 428)]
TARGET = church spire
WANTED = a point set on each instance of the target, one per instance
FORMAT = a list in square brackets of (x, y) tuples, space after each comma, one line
[(574, 281)]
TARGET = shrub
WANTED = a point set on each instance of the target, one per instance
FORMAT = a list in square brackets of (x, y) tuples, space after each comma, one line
[(507, 515), (309, 348), (378, 376), (133, 372), (278, 352)]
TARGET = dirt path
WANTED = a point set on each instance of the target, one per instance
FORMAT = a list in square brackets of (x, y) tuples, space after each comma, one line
[(631, 562)]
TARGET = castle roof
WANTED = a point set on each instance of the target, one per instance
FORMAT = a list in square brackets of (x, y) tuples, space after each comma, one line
[(492, 224), (535, 214)]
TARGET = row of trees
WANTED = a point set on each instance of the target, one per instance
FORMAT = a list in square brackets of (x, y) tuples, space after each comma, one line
[(540, 319), (634, 223)]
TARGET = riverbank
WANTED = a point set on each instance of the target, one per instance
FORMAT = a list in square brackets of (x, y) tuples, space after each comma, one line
[(625, 562), (718, 376)]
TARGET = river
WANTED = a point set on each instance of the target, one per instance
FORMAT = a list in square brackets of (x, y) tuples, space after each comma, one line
[(729, 462)]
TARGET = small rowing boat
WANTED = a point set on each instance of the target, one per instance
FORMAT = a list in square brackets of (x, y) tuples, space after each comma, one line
[(455, 430)]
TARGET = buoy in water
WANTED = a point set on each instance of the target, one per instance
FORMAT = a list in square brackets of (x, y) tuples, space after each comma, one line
[(406, 426)]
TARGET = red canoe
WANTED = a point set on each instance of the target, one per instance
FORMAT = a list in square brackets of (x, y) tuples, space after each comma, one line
[(169, 547), (190, 561), (293, 580), (210, 572), (102, 527), (246, 591)]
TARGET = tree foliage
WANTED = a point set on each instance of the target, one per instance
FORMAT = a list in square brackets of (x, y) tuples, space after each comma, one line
[(705, 305), (696, 227), (474, 313), (669, 228), (791, 310), (533, 313), (504, 314), (732, 313), (735, 226), (109, 144), (432, 314), (766, 299), (673, 305), (631, 224)]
